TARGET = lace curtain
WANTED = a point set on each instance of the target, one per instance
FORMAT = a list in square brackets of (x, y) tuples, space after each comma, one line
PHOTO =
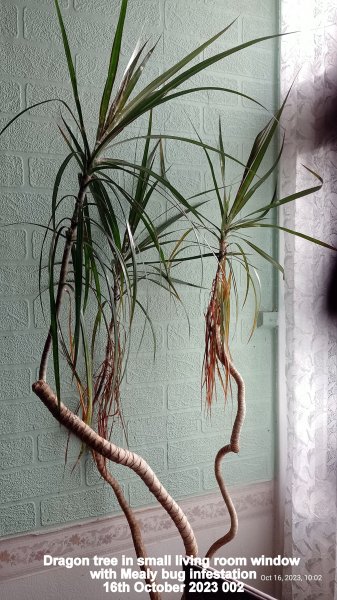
[(310, 119)]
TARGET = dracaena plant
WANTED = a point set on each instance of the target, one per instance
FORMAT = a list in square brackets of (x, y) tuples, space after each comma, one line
[(232, 246), (101, 253)]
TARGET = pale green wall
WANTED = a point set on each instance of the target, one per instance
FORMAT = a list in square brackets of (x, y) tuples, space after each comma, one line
[(166, 421)]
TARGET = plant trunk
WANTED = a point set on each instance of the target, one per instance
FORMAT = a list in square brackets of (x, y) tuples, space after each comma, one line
[(71, 237), (233, 446), (100, 446), (129, 515), (121, 456)]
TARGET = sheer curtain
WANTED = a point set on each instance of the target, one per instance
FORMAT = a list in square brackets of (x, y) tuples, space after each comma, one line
[(310, 57)]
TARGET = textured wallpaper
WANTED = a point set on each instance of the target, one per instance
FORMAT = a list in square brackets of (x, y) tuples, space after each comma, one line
[(164, 415)]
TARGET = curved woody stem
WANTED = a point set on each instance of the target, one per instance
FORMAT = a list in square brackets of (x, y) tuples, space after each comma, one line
[(217, 333), (129, 515), (121, 456), (99, 446), (233, 446)]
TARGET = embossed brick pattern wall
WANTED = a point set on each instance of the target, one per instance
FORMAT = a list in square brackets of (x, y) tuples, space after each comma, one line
[(165, 419)]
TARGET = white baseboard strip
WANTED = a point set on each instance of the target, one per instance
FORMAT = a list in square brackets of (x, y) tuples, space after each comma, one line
[(23, 554)]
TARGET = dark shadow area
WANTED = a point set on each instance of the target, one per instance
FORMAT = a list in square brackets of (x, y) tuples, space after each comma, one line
[(325, 130), (331, 297), (325, 136)]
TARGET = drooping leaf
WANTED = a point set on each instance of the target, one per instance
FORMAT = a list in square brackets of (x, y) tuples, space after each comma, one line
[(54, 316), (77, 255), (266, 256), (293, 232)]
